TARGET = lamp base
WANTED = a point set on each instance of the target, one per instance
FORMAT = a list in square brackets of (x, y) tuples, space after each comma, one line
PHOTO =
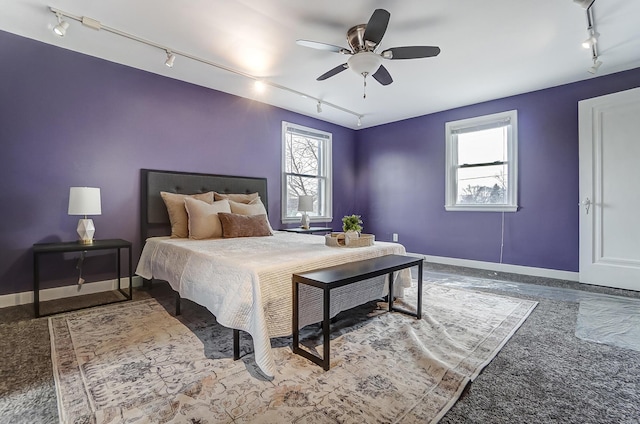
[(305, 221), (86, 230)]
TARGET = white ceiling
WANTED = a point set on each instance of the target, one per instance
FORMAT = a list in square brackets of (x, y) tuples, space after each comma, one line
[(490, 49)]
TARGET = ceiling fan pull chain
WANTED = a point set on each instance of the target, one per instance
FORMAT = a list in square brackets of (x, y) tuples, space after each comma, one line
[(364, 89)]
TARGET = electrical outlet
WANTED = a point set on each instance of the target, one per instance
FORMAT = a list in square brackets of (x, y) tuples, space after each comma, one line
[(395, 236)]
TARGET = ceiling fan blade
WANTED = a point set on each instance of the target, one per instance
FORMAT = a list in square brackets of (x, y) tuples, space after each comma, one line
[(332, 72), (323, 46), (382, 76), (377, 26), (410, 52)]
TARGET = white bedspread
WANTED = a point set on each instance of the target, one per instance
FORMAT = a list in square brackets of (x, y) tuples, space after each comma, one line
[(246, 282)]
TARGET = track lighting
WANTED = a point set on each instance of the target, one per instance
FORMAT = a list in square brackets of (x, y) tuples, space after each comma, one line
[(592, 40), (62, 26), (596, 65), (61, 29), (258, 86), (170, 59), (585, 4)]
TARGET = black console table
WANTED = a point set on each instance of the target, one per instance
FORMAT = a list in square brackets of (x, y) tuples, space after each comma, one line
[(40, 249)]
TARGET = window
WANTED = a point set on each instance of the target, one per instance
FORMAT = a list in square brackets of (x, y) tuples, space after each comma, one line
[(306, 170), (482, 166)]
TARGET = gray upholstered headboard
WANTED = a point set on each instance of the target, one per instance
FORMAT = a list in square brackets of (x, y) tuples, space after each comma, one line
[(154, 220)]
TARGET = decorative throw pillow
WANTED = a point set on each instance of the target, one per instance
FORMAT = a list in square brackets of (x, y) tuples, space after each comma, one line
[(177, 212), (235, 225), (256, 207), (235, 197), (203, 218)]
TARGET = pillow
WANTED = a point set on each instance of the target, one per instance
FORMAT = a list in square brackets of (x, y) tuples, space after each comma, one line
[(203, 218), (235, 225), (254, 208), (240, 198), (177, 212)]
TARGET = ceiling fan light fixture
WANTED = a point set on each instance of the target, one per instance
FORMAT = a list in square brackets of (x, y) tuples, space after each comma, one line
[(365, 63)]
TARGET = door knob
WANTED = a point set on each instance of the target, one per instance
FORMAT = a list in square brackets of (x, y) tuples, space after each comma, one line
[(586, 203)]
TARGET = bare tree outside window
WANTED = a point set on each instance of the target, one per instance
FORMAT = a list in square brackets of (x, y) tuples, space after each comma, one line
[(302, 160), (306, 170), (485, 194)]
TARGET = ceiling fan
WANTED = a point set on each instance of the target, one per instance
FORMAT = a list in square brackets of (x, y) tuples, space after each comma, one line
[(363, 40)]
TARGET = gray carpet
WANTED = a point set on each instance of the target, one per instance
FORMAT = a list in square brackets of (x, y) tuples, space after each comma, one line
[(543, 374)]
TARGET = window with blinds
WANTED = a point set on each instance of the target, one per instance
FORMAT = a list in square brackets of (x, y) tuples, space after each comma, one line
[(306, 171), (482, 168)]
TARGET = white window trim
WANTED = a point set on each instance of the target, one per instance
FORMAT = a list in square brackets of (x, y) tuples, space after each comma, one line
[(328, 172), (451, 188)]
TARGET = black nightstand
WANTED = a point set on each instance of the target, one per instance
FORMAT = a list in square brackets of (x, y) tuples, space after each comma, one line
[(309, 230), (73, 246)]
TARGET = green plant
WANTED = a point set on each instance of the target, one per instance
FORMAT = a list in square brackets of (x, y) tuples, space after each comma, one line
[(352, 223)]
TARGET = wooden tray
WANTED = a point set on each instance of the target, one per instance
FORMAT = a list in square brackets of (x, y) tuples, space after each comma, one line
[(341, 240)]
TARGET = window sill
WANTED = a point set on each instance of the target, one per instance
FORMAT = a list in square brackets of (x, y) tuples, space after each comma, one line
[(313, 220), (481, 208)]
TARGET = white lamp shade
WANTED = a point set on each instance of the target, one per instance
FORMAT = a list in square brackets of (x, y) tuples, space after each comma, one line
[(305, 203), (84, 201)]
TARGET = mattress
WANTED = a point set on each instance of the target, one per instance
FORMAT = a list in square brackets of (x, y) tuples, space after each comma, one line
[(246, 282)]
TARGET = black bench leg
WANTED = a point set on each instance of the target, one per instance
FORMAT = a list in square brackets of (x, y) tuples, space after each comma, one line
[(296, 319), (326, 326), (419, 311), (236, 344), (390, 291)]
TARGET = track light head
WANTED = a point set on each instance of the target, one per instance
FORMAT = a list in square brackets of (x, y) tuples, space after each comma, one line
[(593, 39), (170, 59), (259, 86), (319, 107), (596, 65), (585, 4), (359, 123), (61, 29)]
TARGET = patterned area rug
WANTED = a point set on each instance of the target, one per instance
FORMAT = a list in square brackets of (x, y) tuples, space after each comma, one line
[(134, 362)]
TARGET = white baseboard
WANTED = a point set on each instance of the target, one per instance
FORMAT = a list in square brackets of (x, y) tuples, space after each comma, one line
[(23, 298), (492, 266), (16, 299)]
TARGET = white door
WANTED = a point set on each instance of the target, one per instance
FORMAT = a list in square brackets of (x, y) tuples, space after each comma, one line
[(609, 129)]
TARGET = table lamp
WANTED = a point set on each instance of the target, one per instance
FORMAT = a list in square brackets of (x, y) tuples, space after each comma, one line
[(85, 201), (305, 204)]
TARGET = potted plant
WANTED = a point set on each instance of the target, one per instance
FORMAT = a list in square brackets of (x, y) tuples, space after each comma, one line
[(352, 226)]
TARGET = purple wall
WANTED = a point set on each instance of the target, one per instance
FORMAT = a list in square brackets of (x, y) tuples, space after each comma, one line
[(68, 119), (402, 169)]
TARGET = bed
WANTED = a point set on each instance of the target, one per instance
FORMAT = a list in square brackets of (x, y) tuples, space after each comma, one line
[(245, 282)]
